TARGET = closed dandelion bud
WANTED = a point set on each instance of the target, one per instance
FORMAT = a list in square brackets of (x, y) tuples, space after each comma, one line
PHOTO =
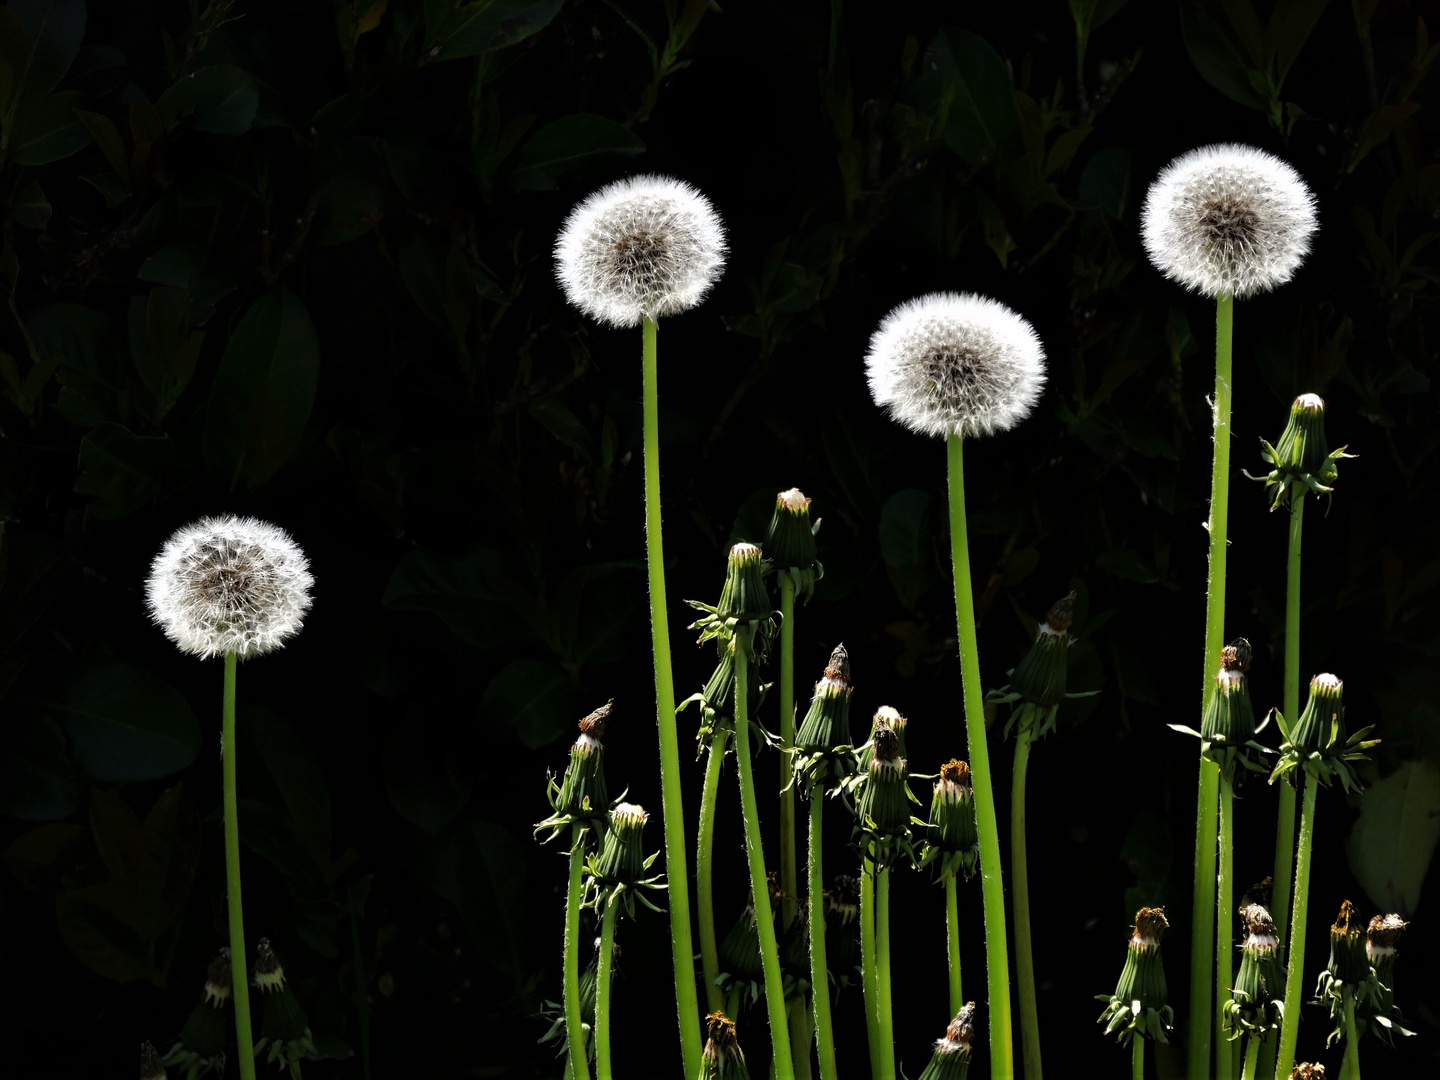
[(622, 855), (1138, 1007), (1039, 678), (1256, 1002), (722, 1059), (1318, 743), (1380, 1015), (1323, 721), (740, 958), (790, 540), (795, 953), (1307, 1071), (744, 598), (953, 841), (842, 910), (822, 743), (718, 694), (1301, 460), (885, 717), (885, 805), (201, 1045), (583, 795), (284, 1027), (589, 979), (1228, 726), (150, 1065), (1349, 959), (951, 1059)]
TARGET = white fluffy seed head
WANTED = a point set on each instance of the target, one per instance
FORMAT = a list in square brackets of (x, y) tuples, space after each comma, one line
[(955, 364), (229, 584), (642, 247), (1228, 220)]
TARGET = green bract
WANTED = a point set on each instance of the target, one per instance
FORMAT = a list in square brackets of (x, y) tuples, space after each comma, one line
[(1138, 1007), (581, 797), (822, 743), (1256, 1003), (952, 844), (1317, 743), (790, 542), (1301, 461)]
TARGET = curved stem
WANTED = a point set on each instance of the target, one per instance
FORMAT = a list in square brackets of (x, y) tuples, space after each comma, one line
[(819, 971), (952, 943), (1024, 959), (239, 983), (1252, 1056), (869, 985), (886, 1018), (1352, 1039), (705, 872), (672, 803), (1225, 928), (764, 919), (578, 1066), (1294, 970), (1137, 1059), (1285, 825), (602, 990), (1202, 941), (997, 964)]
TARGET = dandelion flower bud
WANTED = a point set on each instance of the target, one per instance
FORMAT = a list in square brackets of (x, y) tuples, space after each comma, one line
[(1317, 743), (953, 841), (581, 797), (1138, 1008), (1228, 726), (1302, 461), (1349, 974), (201, 1045), (284, 1027), (885, 802), (842, 946), (1380, 1016), (790, 541), (1256, 1003), (955, 364), (822, 743), (1039, 678), (951, 1059), (740, 949), (229, 585), (642, 247), (622, 858), (1324, 711), (722, 1059), (1228, 220), (150, 1066)]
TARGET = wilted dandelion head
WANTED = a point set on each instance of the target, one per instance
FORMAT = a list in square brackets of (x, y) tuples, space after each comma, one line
[(229, 584), (1228, 220), (642, 247), (955, 364)]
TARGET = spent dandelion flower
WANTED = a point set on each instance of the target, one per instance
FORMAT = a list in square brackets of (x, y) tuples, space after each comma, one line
[(951, 1057), (1138, 1010), (1380, 1015), (201, 1046)]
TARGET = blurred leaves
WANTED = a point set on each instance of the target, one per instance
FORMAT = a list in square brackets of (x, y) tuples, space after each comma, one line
[(569, 145), (1394, 838), (455, 29)]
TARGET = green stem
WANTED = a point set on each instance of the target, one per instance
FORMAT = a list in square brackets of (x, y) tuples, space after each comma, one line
[(1225, 928), (1294, 970), (1137, 1059), (672, 803), (1352, 1039), (870, 987), (952, 943), (1285, 826), (240, 984), (1202, 941), (602, 990), (800, 1036), (705, 872), (886, 1018), (1252, 1057), (819, 971), (574, 1033), (1024, 960), (789, 876), (997, 965), (755, 852)]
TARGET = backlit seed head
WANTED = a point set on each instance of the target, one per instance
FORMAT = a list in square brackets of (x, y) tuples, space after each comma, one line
[(642, 247), (1228, 220), (955, 364), (229, 584)]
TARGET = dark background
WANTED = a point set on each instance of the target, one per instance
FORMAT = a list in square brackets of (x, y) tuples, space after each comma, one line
[(293, 260)]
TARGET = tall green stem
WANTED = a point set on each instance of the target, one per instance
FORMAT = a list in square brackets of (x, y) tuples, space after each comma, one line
[(952, 943), (1137, 1059), (1252, 1056), (1295, 968), (705, 872), (240, 984), (1024, 960), (1202, 940), (819, 971), (574, 1033), (789, 875), (1352, 1039), (1285, 827), (886, 1018), (784, 1068), (997, 963), (1225, 928), (673, 806), (602, 990), (870, 986)]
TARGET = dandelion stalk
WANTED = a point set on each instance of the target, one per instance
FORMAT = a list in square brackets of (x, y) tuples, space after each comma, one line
[(952, 941), (1294, 971), (1352, 1040), (819, 972), (244, 1040), (886, 1019), (1024, 960), (870, 984), (1137, 1060), (705, 871), (602, 992), (1252, 1057), (574, 1034), (789, 880), (1225, 933), (1285, 822)]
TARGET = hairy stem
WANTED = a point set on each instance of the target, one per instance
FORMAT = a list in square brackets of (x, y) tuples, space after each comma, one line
[(239, 983), (672, 803), (602, 990), (997, 963), (952, 943), (870, 985), (1225, 927), (1352, 1039), (819, 971), (705, 871), (1137, 1059), (574, 1033), (1202, 940), (886, 1018), (789, 877), (1295, 968), (1285, 826), (1024, 959), (1252, 1057), (783, 1064)]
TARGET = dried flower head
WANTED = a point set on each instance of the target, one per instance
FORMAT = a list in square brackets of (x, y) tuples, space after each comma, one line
[(1138, 1006), (1228, 220), (955, 364), (229, 584), (1306, 1071), (722, 1059), (951, 1058), (642, 247)]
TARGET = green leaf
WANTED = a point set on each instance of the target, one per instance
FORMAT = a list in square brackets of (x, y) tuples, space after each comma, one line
[(454, 29), (126, 472), (90, 370), (37, 783), (298, 775), (904, 542), (221, 99), (53, 31), (29, 207), (965, 83), (438, 280), (531, 702), (1108, 183), (49, 132), (569, 145), (555, 416), (350, 207), (192, 287), (107, 137), (264, 391), (1220, 57), (1291, 23), (422, 777), (1090, 15), (465, 591), (126, 723), (1394, 838), (163, 353)]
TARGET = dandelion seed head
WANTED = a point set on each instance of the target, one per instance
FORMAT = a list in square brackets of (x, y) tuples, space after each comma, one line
[(955, 364), (1228, 220), (229, 584), (642, 247)]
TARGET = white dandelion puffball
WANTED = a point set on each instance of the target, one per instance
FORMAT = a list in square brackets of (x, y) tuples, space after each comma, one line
[(955, 364), (1228, 220), (643, 247), (229, 584)]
